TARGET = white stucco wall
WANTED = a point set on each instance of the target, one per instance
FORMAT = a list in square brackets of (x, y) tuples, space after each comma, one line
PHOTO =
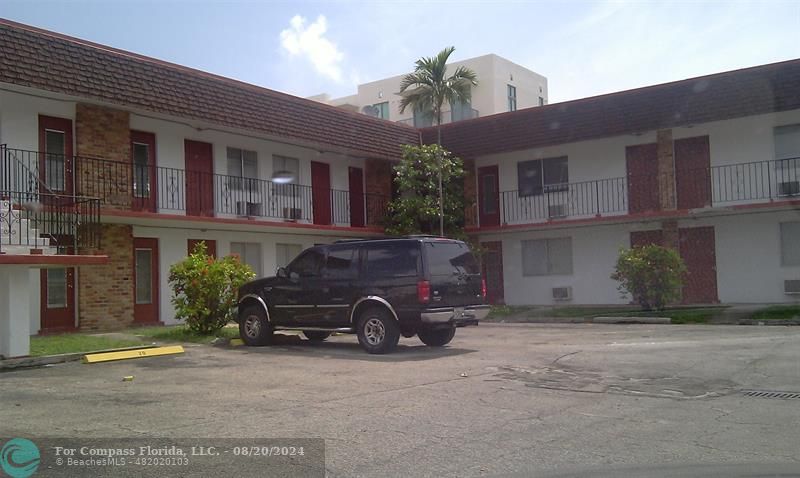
[(19, 129), (747, 250), (732, 142), (172, 244)]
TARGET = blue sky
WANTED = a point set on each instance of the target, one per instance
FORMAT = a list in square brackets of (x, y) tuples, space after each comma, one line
[(307, 47)]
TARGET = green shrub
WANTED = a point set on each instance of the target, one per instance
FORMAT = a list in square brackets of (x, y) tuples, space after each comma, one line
[(204, 289), (652, 275)]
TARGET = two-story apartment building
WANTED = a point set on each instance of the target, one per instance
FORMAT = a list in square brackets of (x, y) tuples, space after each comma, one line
[(502, 86), (174, 156), (109, 152), (709, 166)]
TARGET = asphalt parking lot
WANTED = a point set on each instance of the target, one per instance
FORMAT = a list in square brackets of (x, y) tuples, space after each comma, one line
[(526, 399)]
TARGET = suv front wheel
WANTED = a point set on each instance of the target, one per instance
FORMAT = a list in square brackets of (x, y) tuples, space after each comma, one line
[(378, 331), (254, 328), (438, 337)]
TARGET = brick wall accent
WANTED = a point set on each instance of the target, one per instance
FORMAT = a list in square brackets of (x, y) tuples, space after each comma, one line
[(666, 169), (103, 138), (470, 194), (378, 182), (105, 293), (670, 234)]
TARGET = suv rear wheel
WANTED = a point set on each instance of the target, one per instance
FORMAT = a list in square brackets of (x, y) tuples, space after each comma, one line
[(316, 336), (378, 331), (438, 337), (254, 328)]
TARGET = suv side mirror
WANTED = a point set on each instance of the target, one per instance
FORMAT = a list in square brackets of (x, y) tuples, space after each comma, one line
[(281, 272)]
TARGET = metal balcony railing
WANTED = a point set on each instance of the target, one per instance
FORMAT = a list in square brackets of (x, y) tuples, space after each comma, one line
[(50, 223), (164, 189), (697, 188)]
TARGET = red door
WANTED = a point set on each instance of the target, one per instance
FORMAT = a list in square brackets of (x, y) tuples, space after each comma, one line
[(143, 157), (697, 248), (57, 302), (642, 165), (356, 181), (492, 265), (145, 280), (321, 192), (56, 161), (488, 196), (211, 246), (692, 172), (199, 161)]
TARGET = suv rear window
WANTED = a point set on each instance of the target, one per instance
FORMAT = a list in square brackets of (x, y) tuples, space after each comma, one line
[(446, 258), (392, 260)]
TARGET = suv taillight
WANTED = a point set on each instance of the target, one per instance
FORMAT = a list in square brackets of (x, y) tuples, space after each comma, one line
[(483, 288), (423, 291)]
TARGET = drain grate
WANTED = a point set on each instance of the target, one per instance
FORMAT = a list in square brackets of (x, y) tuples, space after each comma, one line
[(772, 394)]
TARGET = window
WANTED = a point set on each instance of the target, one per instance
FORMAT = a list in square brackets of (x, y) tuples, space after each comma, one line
[(55, 163), (285, 164), (790, 243), (512, 98), (542, 175), (340, 264), (144, 276), (542, 257), (541, 101), (787, 154), (56, 288), (308, 264), (382, 110), (787, 142), (242, 169), (461, 110), (448, 258), (392, 260), (422, 119), (285, 253), (249, 253)]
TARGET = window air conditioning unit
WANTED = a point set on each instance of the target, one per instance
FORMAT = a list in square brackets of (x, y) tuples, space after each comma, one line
[(557, 210), (245, 208), (791, 287), (562, 293), (292, 213), (789, 188)]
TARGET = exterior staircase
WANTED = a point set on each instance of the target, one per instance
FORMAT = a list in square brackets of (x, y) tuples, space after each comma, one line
[(19, 234)]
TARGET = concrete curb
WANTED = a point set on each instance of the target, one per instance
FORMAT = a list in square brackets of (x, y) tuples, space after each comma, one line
[(631, 320), (27, 362)]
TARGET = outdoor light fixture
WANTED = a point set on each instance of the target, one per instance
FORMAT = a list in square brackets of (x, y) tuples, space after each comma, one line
[(282, 177)]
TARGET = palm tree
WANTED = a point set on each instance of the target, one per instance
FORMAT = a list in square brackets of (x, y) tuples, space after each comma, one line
[(427, 89)]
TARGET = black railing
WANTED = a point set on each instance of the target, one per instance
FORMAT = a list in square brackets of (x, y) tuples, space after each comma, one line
[(572, 199), (695, 188), (52, 223), (163, 189)]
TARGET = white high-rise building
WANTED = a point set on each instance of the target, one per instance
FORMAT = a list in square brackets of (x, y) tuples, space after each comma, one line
[(502, 86)]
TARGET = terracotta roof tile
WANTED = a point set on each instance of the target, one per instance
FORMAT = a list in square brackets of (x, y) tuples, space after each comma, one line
[(44, 60)]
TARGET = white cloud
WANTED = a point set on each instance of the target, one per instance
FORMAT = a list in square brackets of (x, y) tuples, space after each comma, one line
[(309, 42)]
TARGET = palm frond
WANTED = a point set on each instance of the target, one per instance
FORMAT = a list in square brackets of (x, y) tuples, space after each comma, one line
[(428, 87)]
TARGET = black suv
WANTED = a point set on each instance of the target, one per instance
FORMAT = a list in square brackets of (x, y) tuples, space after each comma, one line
[(378, 289)]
